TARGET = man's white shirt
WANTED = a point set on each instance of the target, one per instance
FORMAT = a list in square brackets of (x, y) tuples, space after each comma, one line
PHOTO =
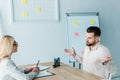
[(92, 60)]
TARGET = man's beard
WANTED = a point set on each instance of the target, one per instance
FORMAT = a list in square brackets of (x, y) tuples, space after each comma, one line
[(90, 44)]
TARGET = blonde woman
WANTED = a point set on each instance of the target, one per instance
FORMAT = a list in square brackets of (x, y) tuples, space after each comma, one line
[(8, 69)]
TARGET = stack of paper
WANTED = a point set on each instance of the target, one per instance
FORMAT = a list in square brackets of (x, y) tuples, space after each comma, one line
[(41, 67)]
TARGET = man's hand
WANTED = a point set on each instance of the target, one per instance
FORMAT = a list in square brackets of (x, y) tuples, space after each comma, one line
[(70, 52), (106, 59)]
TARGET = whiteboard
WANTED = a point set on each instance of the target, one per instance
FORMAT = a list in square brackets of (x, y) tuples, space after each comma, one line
[(35, 10), (77, 24)]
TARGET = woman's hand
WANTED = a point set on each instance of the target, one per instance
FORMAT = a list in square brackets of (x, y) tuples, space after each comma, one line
[(28, 70), (36, 69)]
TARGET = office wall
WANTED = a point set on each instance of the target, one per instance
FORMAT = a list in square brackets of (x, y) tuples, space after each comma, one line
[(46, 40)]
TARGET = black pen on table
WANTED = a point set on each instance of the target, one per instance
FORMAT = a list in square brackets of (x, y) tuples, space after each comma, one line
[(37, 63)]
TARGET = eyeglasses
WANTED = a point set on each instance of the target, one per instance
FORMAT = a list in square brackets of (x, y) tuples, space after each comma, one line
[(15, 44)]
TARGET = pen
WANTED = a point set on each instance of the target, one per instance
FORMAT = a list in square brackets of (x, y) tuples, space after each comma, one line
[(37, 63)]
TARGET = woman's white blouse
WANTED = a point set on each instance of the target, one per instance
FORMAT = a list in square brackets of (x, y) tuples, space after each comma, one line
[(9, 71)]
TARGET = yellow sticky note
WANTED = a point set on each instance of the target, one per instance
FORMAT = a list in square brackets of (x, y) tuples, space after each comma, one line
[(38, 9), (92, 21), (25, 14), (24, 1), (75, 22)]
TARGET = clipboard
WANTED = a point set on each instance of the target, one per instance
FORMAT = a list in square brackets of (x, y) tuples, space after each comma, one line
[(45, 74)]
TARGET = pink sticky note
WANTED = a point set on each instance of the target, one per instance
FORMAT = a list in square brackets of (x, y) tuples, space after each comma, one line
[(82, 52), (76, 33)]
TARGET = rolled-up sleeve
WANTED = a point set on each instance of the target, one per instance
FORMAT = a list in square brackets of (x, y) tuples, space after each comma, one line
[(78, 58)]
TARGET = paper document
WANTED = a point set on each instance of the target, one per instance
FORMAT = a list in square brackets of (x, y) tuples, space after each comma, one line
[(44, 73), (41, 67)]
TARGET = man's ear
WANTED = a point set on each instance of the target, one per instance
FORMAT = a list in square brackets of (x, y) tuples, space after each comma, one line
[(97, 39)]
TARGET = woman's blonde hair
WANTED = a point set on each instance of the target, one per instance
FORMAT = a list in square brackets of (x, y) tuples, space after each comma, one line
[(6, 46)]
